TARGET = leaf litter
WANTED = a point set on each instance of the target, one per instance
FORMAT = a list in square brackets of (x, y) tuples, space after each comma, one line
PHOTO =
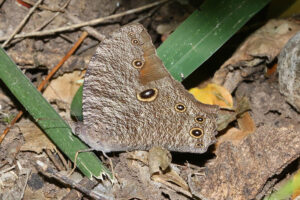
[(244, 164)]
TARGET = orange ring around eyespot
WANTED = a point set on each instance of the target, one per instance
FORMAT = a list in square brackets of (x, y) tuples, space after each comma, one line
[(179, 109), (135, 65), (135, 41), (199, 144), (150, 98), (196, 129), (200, 122)]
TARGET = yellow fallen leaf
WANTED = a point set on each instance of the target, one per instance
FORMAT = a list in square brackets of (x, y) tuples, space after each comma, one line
[(213, 94)]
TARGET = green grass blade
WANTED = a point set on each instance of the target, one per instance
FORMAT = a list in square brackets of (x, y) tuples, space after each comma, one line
[(47, 118), (76, 105), (204, 32)]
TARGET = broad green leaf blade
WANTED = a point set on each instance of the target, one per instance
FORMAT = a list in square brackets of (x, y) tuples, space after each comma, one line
[(48, 119), (76, 105), (204, 32)]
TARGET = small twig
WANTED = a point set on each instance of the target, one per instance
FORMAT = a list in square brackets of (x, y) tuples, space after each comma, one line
[(149, 14), (25, 184), (63, 160), (1, 3), (75, 159), (67, 38), (51, 173), (54, 160), (63, 60), (111, 164), (50, 75), (89, 23), (3, 163), (22, 23), (44, 7), (75, 195), (7, 169), (176, 188), (53, 17), (84, 48), (17, 117), (93, 32)]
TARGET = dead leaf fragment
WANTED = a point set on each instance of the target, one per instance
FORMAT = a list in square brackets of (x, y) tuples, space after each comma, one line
[(132, 173), (242, 171), (158, 159), (150, 164), (64, 87), (35, 139), (262, 46), (160, 170), (235, 135)]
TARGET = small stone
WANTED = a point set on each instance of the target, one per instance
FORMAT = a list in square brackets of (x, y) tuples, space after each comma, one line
[(289, 71)]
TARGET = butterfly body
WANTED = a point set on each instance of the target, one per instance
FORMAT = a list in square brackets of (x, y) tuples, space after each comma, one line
[(131, 102)]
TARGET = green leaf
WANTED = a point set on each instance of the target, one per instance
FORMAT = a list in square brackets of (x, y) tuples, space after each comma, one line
[(204, 32), (48, 119), (286, 190), (76, 105)]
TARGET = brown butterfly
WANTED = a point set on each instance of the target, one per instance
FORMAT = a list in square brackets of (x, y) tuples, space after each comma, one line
[(131, 102)]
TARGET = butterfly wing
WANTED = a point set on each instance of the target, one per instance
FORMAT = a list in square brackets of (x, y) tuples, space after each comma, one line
[(131, 102)]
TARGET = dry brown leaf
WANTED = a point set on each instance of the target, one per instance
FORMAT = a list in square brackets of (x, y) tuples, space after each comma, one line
[(64, 87), (35, 139), (246, 127), (171, 177), (159, 160), (263, 45), (242, 171), (132, 173), (159, 166)]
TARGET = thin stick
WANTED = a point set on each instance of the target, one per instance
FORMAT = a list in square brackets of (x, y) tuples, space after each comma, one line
[(89, 46), (75, 159), (1, 3), (7, 169), (41, 86), (63, 60), (75, 195), (45, 7), (93, 32), (47, 22), (25, 183), (89, 23), (175, 188), (150, 13), (10, 125), (22, 23), (51, 173), (54, 160), (53, 17), (63, 160)]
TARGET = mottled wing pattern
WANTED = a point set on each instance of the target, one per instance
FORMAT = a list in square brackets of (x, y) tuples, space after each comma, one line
[(131, 102)]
